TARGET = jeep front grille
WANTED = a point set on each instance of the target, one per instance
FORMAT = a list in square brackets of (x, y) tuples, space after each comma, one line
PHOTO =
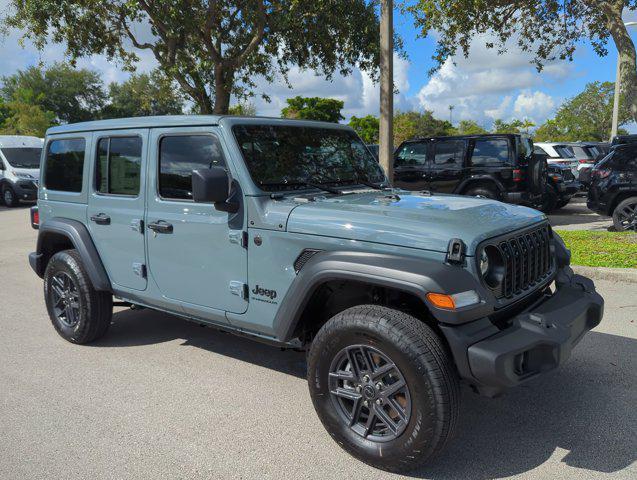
[(527, 261)]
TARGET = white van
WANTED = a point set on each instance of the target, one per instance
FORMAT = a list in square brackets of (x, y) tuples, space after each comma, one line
[(19, 168)]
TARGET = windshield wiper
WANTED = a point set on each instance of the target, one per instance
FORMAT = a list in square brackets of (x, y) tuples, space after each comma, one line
[(318, 186)]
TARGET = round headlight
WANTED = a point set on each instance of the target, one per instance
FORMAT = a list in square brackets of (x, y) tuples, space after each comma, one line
[(484, 263), (492, 266)]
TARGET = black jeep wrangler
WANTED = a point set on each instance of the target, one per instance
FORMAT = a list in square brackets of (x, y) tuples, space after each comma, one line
[(500, 167)]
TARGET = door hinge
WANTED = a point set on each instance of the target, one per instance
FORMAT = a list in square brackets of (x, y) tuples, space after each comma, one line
[(239, 289), (239, 238), (139, 269), (137, 225)]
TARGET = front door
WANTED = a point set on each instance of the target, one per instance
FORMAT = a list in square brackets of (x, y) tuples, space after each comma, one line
[(195, 255), (116, 205), (409, 166), (446, 167)]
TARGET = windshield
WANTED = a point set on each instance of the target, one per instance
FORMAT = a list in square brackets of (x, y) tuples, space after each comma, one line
[(288, 157), (23, 157)]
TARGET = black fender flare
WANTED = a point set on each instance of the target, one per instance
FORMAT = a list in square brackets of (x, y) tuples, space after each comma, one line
[(416, 276), (77, 233), (480, 179)]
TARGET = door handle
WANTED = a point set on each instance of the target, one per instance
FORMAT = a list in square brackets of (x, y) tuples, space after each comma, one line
[(101, 219), (160, 226)]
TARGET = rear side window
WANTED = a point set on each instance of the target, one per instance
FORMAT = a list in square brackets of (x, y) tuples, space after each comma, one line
[(449, 153), (64, 165), (539, 151), (179, 155), (118, 165), (490, 152), (564, 151), (412, 154), (625, 159)]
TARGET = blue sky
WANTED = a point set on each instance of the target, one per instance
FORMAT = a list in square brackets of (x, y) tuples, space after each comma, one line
[(483, 87)]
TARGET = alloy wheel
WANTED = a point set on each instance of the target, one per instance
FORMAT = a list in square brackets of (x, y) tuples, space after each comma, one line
[(369, 393), (8, 197), (66, 299), (627, 216)]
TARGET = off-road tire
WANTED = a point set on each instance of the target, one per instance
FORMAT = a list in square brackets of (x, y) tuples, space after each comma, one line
[(549, 200), (483, 191), (537, 173), (622, 212), (9, 197), (427, 368), (95, 308)]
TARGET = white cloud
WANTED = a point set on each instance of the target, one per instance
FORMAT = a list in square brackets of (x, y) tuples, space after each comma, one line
[(486, 86)]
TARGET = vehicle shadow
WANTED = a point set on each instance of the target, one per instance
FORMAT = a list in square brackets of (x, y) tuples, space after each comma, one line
[(576, 213), (144, 327), (584, 412)]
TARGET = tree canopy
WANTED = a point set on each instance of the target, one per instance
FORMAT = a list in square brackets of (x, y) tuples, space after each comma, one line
[(585, 117), (144, 94), (23, 115), (74, 95), (314, 108), (408, 125), (548, 29), (366, 127), (212, 48), (469, 127)]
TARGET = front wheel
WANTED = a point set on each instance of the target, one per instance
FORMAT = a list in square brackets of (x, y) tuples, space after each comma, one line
[(625, 215), (384, 387), (9, 197)]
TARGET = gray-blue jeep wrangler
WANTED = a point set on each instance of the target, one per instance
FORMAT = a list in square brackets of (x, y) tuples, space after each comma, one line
[(287, 232)]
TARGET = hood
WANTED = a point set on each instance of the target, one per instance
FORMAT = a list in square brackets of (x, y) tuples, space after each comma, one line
[(410, 220), (34, 172)]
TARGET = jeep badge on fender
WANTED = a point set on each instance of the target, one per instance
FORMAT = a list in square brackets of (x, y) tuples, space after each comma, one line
[(397, 296)]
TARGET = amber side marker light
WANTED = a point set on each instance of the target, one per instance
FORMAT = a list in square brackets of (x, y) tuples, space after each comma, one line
[(455, 301)]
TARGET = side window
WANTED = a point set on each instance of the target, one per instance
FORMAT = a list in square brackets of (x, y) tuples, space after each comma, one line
[(449, 153), (118, 165), (490, 152), (64, 165), (625, 159), (412, 154), (539, 151), (179, 155)]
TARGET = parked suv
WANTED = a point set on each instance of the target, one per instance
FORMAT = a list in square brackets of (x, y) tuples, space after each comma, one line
[(19, 168), (284, 231), (499, 167), (613, 189)]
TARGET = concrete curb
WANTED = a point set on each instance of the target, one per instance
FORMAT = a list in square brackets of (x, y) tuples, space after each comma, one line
[(622, 275)]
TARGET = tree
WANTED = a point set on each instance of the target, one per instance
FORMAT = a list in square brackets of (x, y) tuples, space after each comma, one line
[(586, 116), (142, 95), (550, 29), (408, 125), (366, 127), (514, 126), (73, 95), (243, 110), (469, 127), (314, 108), (23, 115), (212, 48), (527, 124)]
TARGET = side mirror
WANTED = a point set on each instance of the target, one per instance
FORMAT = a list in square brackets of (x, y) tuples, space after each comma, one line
[(212, 185)]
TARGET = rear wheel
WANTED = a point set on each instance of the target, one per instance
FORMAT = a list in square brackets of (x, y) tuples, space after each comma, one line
[(625, 215), (483, 191), (79, 313), (9, 197), (549, 200), (384, 386)]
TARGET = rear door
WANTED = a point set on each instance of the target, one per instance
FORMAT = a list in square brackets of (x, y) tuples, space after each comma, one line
[(410, 166), (116, 204), (446, 168)]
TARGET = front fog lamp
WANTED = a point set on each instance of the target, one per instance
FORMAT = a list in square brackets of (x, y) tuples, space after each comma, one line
[(455, 301), (491, 266)]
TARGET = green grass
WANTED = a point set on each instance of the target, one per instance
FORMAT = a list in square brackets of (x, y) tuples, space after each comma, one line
[(601, 249)]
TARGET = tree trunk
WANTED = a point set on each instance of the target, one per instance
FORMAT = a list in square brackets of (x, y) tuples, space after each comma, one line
[(223, 89), (626, 52)]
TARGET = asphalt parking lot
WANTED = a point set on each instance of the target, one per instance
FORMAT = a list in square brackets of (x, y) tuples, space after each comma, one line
[(160, 397), (576, 216)]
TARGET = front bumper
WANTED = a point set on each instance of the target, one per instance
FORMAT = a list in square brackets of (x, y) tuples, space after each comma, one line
[(535, 341), (26, 190)]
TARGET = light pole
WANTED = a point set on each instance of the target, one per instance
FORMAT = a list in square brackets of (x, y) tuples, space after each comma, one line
[(386, 130), (618, 82), (451, 107)]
